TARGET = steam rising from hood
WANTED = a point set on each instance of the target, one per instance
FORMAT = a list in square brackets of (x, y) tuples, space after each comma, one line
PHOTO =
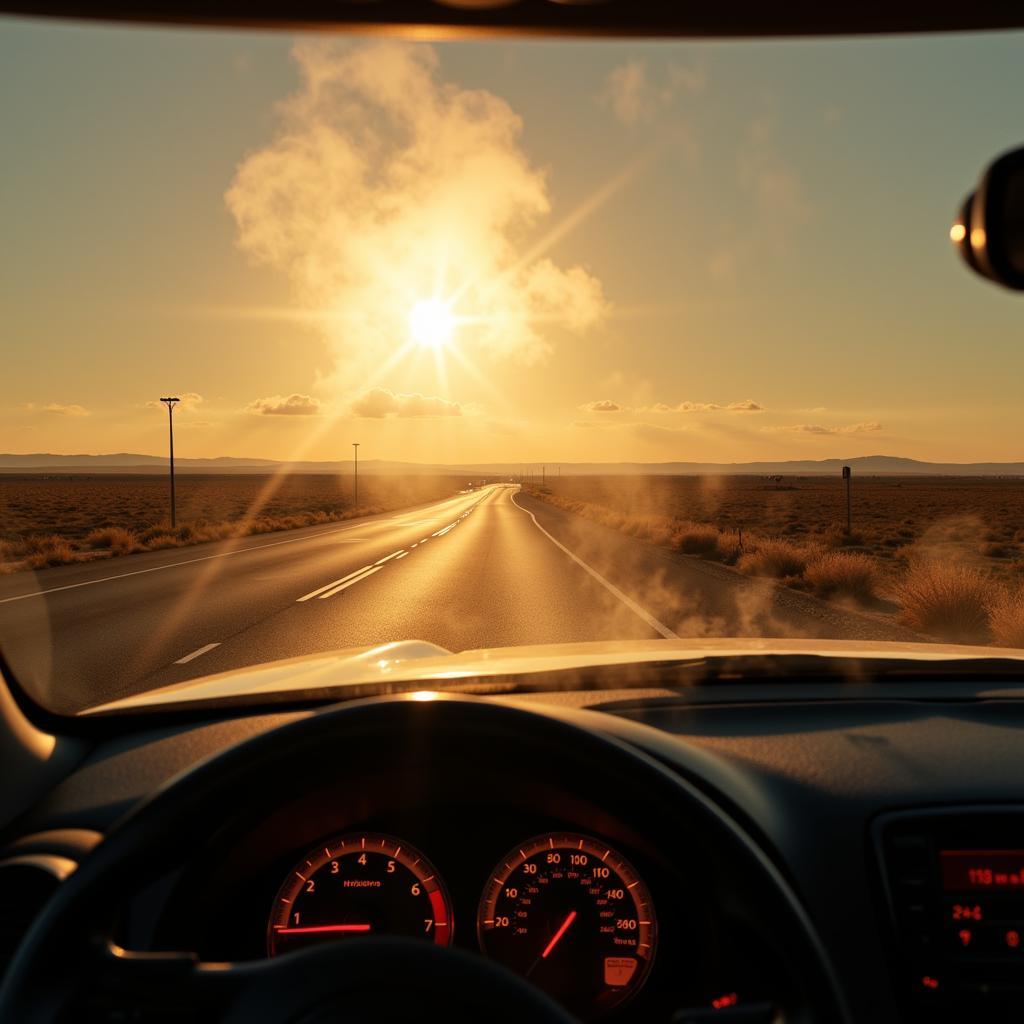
[(384, 185)]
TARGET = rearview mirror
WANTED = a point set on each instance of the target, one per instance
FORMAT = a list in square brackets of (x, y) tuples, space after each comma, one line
[(989, 230)]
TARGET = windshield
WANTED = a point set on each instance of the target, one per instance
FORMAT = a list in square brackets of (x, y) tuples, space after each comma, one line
[(315, 343)]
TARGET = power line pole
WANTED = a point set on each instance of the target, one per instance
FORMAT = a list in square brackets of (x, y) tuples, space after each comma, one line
[(355, 475), (846, 476), (170, 402)]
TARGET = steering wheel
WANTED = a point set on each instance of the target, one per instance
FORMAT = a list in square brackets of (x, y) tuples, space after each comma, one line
[(69, 966)]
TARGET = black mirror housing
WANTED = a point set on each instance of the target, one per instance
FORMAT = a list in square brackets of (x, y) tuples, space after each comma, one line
[(989, 230)]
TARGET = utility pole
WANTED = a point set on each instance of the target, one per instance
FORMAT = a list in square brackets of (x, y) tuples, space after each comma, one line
[(543, 476), (170, 402), (846, 477), (355, 475)]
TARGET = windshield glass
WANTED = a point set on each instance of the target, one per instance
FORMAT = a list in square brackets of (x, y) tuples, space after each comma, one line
[(495, 343)]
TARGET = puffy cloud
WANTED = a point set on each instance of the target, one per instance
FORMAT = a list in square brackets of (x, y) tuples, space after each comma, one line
[(604, 405), (871, 427), (280, 405), (385, 185), (747, 405), (379, 402), (636, 96), (56, 409)]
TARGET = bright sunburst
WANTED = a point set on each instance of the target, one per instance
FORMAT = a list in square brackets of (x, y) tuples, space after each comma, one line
[(431, 323)]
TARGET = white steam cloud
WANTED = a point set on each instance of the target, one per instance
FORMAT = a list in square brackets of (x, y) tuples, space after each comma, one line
[(385, 185)]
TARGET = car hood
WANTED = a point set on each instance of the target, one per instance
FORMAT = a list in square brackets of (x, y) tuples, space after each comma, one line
[(429, 666)]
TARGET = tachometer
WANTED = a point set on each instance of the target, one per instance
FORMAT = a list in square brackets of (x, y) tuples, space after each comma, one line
[(359, 884), (572, 915)]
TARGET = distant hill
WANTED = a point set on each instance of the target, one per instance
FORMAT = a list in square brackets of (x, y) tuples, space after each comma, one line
[(871, 465)]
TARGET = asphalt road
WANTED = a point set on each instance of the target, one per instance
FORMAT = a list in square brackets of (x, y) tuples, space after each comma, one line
[(489, 568)]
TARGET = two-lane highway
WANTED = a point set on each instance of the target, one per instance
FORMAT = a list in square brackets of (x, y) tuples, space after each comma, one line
[(487, 568), (471, 571)]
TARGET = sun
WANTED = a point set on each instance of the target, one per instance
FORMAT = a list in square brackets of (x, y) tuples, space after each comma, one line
[(431, 323)]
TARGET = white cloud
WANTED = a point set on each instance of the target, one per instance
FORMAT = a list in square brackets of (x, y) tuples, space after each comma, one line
[(280, 405), (56, 409), (384, 183), (871, 427), (603, 405), (636, 96), (379, 402), (747, 405)]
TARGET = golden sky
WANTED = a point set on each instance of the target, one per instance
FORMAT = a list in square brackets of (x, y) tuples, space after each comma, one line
[(501, 251)]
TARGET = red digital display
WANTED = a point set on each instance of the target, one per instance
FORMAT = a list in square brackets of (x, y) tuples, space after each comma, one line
[(982, 869)]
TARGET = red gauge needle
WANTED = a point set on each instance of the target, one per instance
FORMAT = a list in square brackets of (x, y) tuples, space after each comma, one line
[(558, 935), (321, 928)]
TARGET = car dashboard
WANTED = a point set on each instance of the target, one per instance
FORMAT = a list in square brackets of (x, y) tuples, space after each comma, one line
[(895, 816)]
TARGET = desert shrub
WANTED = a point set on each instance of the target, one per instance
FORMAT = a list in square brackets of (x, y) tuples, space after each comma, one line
[(11, 550), (843, 574), (49, 549), (777, 558), (1006, 617), (948, 601), (151, 533), (162, 541), (697, 539), (119, 541), (728, 548)]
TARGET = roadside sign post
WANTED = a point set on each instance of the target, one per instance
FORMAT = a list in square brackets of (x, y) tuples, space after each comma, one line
[(846, 477)]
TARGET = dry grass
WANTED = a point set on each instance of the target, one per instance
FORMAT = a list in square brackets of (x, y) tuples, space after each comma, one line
[(974, 520), (780, 559), (944, 556), (697, 539), (1006, 617), (946, 601), (843, 574), (48, 521), (114, 539)]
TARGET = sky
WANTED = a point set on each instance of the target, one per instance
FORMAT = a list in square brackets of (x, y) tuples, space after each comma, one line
[(505, 250)]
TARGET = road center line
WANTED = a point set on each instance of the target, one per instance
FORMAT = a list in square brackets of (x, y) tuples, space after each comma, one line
[(352, 582), (192, 561), (387, 558), (651, 621), (196, 654), (333, 583)]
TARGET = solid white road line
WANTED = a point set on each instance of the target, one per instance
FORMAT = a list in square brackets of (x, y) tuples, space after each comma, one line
[(401, 556), (651, 621), (387, 558), (202, 558), (196, 654), (352, 582), (333, 583)]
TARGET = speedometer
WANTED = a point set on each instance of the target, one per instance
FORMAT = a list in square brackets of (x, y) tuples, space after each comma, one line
[(359, 884), (572, 915)]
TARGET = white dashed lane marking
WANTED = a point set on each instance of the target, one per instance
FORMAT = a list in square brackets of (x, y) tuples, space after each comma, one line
[(333, 583), (351, 582), (196, 654), (337, 586)]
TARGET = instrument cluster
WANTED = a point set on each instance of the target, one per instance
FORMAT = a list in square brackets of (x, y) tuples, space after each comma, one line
[(565, 910)]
